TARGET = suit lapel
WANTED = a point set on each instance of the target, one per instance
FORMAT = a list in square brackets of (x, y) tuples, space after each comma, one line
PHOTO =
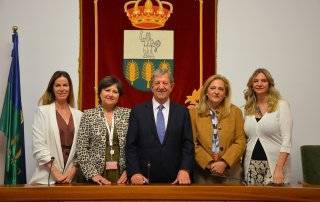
[(151, 121), (170, 122)]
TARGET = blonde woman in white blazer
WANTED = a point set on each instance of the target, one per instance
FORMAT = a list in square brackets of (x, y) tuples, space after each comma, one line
[(55, 132), (268, 126)]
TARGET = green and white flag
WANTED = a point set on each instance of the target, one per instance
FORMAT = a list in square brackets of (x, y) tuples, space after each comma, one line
[(11, 123)]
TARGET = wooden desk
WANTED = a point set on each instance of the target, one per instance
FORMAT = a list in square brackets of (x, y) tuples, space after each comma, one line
[(196, 192)]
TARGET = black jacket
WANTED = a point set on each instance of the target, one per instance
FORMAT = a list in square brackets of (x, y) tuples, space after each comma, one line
[(145, 152)]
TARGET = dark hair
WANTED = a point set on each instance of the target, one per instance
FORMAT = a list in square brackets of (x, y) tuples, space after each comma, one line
[(107, 82), (48, 97)]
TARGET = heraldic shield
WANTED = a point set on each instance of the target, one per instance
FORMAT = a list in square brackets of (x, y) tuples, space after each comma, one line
[(144, 52)]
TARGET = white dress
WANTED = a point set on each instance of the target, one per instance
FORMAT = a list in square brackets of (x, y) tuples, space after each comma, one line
[(274, 132)]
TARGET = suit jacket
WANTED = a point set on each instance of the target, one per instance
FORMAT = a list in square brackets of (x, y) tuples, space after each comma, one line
[(144, 152), (231, 136), (47, 144), (92, 137)]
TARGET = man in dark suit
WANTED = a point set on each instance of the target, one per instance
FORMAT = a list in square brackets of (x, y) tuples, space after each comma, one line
[(159, 141)]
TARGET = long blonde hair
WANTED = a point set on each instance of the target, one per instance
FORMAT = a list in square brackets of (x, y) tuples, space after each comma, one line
[(203, 106), (48, 97), (250, 97)]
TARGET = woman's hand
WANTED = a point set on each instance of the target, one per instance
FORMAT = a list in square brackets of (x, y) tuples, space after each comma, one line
[(278, 177), (58, 175), (100, 180), (278, 174), (55, 172), (218, 167), (123, 178), (70, 173)]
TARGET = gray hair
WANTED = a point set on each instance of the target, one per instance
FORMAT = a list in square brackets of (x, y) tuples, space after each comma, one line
[(160, 72)]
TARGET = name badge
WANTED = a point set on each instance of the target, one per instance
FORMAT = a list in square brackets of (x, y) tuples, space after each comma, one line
[(111, 165)]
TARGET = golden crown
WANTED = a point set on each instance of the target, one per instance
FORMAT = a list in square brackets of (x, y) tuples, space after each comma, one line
[(148, 16)]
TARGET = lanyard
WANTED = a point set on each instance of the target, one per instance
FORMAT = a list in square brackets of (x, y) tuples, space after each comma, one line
[(110, 130)]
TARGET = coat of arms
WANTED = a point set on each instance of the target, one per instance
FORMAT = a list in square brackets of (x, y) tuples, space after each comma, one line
[(144, 52)]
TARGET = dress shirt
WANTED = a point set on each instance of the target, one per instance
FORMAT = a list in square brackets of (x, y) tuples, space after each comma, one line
[(165, 110)]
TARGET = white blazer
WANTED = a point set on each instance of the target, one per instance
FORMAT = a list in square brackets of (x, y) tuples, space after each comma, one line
[(47, 144), (274, 132)]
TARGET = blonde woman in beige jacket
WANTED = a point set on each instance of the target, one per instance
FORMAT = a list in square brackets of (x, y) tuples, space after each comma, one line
[(218, 133)]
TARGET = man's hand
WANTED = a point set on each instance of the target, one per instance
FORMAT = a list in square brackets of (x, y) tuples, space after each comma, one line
[(139, 179), (182, 178)]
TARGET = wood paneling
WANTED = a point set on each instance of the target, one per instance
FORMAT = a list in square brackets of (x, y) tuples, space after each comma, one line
[(81, 192)]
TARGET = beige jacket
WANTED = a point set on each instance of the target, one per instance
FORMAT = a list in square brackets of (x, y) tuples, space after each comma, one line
[(231, 136)]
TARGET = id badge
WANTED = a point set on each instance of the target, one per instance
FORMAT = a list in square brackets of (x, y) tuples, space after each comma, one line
[(111, 165)]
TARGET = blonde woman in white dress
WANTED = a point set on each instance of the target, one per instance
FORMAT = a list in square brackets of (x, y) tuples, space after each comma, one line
[(268, 127)]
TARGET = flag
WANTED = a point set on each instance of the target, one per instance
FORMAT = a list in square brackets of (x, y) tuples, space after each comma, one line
[(11, 123)]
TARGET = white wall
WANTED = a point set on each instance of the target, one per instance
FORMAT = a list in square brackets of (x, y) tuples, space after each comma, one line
[(49, 41), (283, 36)]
